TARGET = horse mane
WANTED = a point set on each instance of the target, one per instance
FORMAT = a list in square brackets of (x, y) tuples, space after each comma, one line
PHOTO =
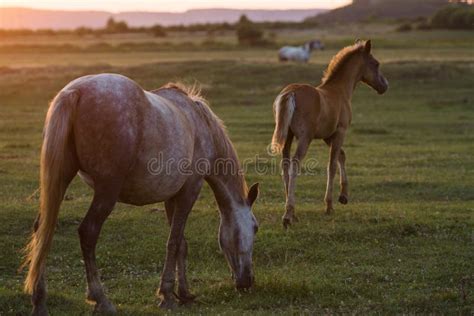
[(340, 60), (191, 91), (215, 124), (222, 143)]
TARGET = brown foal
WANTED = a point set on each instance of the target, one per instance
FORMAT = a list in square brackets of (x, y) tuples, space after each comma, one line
[(322, 112)]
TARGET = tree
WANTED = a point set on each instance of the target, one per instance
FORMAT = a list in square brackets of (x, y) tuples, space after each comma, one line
[(248, 32), (116, 27), (462, 1), (460, 16), (158, 30)]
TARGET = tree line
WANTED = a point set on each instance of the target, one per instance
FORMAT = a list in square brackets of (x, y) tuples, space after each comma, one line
[(248, 32), (458, 15), (455, 16)]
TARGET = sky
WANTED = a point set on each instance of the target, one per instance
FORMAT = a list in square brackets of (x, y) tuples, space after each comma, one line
[(170, 6)]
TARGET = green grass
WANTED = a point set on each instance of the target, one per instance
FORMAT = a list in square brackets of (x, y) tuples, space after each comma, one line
[(137, 49), (403, 244)]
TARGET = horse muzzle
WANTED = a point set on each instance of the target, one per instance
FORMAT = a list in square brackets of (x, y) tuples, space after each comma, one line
[(382, 86), (245, 281)]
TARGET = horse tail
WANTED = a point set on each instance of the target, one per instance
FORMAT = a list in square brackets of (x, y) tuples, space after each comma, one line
[(57, 131), (283, 108)]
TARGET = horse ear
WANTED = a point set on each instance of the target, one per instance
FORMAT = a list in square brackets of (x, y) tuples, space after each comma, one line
[(358, 41), (368, 47), (253, 193)]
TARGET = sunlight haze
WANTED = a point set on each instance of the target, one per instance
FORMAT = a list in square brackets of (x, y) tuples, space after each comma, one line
[(170, 6)]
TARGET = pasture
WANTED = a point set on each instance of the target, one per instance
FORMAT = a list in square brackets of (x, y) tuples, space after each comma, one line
[(403, 244)]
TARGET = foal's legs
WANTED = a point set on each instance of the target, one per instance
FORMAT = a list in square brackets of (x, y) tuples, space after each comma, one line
[(183, 201), (336, 144), (344, 195), (301, 150), (183, 289), (285, 163), (344, 183), (105, 197)]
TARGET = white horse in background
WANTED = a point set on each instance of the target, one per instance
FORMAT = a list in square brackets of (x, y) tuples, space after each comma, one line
[(299, 53)]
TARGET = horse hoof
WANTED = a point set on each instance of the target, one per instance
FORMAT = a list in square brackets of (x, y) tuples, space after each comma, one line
[(185, 298), (287, 221), (329, 211), (168, 304), (105, 308), (343, 199), (39, 311)]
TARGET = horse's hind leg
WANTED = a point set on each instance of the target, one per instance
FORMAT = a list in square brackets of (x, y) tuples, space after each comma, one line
[(39, 294), (38, 297), (301, 150), (286, 162), (184, 295), (105, 197)]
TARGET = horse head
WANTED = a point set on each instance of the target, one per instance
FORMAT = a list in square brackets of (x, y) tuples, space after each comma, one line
[(371, 74), (316, 44), (236, 238)]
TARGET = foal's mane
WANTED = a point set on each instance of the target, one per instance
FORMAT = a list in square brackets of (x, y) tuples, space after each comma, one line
[(223, 145), (340, 60)]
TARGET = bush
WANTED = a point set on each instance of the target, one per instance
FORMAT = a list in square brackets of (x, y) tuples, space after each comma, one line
[(454, 17), (424, 26), (116, 27), (82, 31), (248, 33), (158, 31), (404, 28)]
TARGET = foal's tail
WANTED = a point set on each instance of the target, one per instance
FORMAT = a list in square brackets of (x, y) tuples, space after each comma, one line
[(57, 131), (283, 107)]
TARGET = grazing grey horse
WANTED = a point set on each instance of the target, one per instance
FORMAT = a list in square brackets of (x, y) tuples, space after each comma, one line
[(110, 131), (299, 53)]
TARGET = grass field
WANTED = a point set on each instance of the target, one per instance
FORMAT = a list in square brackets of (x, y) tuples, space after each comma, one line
[(404, 243)]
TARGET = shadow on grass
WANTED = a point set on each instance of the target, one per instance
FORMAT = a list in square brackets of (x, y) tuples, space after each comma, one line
[(17, 303)]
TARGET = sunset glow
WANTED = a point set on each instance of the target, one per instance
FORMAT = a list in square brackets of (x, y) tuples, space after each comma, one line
[(170, 6)]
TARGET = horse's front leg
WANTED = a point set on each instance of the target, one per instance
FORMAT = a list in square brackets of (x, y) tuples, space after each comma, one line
[(344, 183), (183, 202), (336, 143), (184, 295)]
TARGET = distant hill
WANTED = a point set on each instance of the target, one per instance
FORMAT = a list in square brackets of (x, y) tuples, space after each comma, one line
[(385, 9), (15, 18)]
